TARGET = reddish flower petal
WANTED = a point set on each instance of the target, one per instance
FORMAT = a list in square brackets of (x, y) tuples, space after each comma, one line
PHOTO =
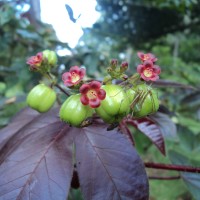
[(156, 69), (148, 64), (29, 60), (148, 56), (84, 100), (140, 68), (152, 57), (94, 103), (84, 88), (114, 62), (74, 69), (82, 72), (66, 76), (92, 93), (35, 61), (101, 94), (95, 85), (39, 55), (75, 75), (154, 78), (140, 55), (68, 83)]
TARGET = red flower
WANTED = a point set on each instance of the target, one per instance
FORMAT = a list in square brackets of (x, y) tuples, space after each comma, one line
[(35, 61), (148, 56), (92, 94), (74, 76), (149, 71)]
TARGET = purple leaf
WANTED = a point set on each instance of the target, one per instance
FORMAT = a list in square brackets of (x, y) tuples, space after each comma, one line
[(151, 130), (36, 162), (172, 84), (126, 131), (108, 165), (166, 125), (20, 120)]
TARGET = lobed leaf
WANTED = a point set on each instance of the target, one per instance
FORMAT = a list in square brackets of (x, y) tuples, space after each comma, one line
[(168, 83), (23, 118), (108, 165), (192, 100), (151, 130), (36, 160), (166, 125)]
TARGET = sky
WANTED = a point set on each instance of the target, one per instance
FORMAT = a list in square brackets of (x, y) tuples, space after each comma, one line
[(55, 13)]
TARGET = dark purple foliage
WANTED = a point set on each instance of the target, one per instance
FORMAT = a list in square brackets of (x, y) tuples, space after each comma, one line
[(36, 160), (148, 128)]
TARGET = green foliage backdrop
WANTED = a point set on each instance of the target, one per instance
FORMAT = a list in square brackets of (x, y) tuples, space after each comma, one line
[(169, 29)]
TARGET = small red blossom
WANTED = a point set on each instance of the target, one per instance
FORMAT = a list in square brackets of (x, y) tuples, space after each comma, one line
[(148, 56), (124, 66), (149, 71), (92, 94), (74, 76), (35, 61), (114, 62)]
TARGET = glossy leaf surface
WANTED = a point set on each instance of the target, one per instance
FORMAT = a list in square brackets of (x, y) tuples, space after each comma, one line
[(108, 165), (151, 130), (166, 125), (36, 162)]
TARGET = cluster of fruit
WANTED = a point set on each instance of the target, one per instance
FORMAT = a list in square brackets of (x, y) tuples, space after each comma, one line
[(109, 101)]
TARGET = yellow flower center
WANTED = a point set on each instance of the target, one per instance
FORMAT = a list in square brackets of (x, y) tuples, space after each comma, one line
[(75, 77), (91, 94), (148, 72)]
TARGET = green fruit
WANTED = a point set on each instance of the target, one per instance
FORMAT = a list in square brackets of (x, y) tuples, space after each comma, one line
[(50, 56), (143, 100), (131, 94), (115, 106), (74, 112), (41, 98)]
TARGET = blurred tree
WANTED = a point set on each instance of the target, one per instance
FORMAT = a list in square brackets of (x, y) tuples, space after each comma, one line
[(137, 22), (22, 34)]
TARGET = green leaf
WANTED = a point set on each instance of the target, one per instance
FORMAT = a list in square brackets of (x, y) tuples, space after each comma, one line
[(188, 141), (191, 124), (6, 14), (192, 180)]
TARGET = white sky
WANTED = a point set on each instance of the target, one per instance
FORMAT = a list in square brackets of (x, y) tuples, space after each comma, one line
[(54, 12)]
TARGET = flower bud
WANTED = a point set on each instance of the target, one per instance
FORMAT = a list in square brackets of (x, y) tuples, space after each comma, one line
[(114, 63), (35, 62), (124, 67), (50, 57)]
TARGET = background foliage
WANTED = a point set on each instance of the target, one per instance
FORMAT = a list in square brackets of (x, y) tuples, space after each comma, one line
[(169, 29)]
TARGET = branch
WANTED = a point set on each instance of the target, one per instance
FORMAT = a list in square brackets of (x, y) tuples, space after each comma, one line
[(173, 167), (60, 88), (164, 178)]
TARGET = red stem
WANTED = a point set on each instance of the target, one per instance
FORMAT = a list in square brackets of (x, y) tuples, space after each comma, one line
[(125, 130), (164, 178), (173, 167)]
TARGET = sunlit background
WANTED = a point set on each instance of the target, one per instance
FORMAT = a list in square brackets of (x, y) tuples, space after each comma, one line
[(55, 13)]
